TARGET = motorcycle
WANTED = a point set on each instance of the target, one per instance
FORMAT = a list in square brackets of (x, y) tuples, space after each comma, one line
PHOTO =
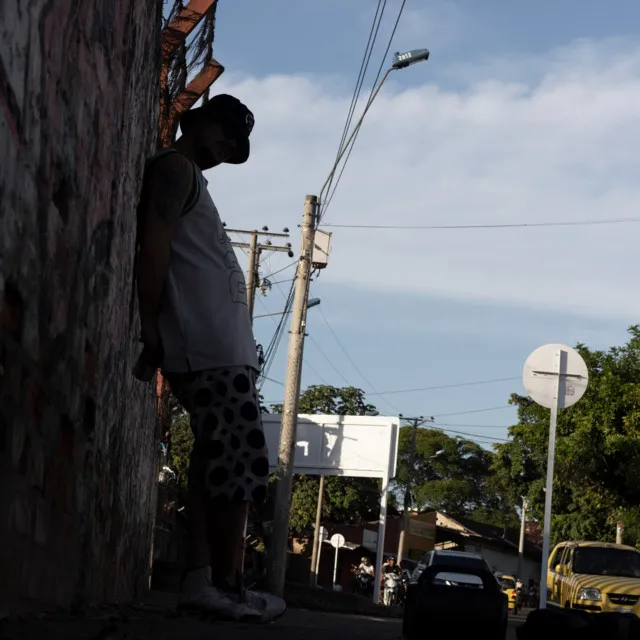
[(364, 584), (391, 590), (405, 580)]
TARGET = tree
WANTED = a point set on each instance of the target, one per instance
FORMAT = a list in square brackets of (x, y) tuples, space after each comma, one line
[(452, 475), (597, 471), (333, 401), (349, 500)]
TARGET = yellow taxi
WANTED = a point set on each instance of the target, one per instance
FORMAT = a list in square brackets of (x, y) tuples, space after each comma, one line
[(508, 584), (594, 577)]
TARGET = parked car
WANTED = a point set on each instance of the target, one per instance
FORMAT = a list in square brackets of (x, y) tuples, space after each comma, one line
[(467, 601), (508, 584), (594, 576)]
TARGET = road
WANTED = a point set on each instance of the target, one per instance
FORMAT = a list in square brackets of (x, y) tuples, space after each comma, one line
[(314, 625), (294, 625)]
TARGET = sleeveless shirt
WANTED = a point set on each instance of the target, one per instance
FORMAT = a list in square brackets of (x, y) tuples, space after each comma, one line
[(204, 319)]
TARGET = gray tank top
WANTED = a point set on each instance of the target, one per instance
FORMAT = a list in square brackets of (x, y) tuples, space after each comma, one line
[(204, 319)]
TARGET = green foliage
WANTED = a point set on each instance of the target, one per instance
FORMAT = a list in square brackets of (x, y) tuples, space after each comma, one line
[(597, 471), (348, 500), (338, 401), (452, 475), (181, 445)]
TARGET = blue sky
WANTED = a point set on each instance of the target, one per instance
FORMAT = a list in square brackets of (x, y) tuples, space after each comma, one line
[(526, 112)]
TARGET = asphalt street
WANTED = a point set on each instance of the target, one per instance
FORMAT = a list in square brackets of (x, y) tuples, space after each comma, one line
[(296, 624)]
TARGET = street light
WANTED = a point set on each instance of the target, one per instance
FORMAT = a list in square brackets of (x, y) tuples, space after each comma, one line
[(400, 61), (286, 445), (313, 302)]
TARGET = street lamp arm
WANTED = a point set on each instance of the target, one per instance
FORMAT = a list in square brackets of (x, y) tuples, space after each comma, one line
[(354, 132)]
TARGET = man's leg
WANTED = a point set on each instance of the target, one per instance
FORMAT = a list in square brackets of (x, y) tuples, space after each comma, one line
[(229, 468), (225, 541)]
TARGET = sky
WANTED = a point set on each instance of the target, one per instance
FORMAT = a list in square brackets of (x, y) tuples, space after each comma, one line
[(525, 113)]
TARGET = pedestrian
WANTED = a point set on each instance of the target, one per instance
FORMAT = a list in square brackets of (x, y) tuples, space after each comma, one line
[(195, 326)]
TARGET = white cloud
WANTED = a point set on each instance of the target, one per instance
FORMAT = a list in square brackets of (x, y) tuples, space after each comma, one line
[(561, 141)]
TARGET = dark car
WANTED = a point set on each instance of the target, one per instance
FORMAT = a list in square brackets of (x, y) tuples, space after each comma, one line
[(451, 558), (465, 600)]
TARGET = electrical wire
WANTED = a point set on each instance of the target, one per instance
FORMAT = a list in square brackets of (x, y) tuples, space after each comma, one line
[(470, 435), (517, 225), (364, 65), (445, 386), (324, 355), (325, 206), (273, 273), (460, 413), (476, 426), (277, 336), (355, 366)]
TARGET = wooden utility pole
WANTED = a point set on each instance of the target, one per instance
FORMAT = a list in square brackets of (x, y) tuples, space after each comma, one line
[(286, 449), (415, 423), (254, 251), (523, 527), (317, 541)]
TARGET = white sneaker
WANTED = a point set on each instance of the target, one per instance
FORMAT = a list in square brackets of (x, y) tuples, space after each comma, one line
[(199, 593), (271, 607)]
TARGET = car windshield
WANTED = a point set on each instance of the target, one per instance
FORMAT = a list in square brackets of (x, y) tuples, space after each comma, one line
[(460, 561), (599, 561), (507, 583), (465, 580)]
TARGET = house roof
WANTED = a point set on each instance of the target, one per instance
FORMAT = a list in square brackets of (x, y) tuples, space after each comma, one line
[(506, 538)]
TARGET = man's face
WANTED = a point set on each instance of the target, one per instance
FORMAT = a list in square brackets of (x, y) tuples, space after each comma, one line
[(213, 144), (391, 562)]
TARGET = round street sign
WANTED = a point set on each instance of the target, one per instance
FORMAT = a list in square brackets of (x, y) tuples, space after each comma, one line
[(337, 540), (542, 370)]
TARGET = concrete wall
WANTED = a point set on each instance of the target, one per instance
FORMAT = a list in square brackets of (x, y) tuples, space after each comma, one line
[(78, 113), (507, 563)]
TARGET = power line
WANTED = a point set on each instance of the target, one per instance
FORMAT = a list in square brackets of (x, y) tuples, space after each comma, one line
[(280, 328), (523, 225), (364, 65), (445, 386), (460, 413), (476, 426), (273, 273), (471, 435), (355, 366), (371, 95), (324, 355)]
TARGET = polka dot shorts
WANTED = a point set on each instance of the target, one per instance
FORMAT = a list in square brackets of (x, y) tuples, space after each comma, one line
[(229, 459)]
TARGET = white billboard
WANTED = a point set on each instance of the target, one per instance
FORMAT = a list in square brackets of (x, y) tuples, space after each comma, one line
[(360, 446)]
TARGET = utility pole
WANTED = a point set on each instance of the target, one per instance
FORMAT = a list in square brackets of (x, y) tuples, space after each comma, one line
[(415, 423), (254, 251), (313, 580), (523, 526), (286, 449)]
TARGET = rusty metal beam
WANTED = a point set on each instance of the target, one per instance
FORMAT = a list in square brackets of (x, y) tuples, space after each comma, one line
[(187, 19), (211, 71)]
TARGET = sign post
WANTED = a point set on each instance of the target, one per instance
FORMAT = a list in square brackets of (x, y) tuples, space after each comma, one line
[(556, 377), (337, 541), (324, 534)]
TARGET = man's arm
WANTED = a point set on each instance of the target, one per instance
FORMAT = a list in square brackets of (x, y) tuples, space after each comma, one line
[(167, 186)]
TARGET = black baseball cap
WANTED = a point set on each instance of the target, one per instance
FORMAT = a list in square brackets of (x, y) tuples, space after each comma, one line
[(229, 111)]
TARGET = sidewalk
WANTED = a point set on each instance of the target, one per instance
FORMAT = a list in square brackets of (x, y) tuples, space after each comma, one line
[(157, 620)]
